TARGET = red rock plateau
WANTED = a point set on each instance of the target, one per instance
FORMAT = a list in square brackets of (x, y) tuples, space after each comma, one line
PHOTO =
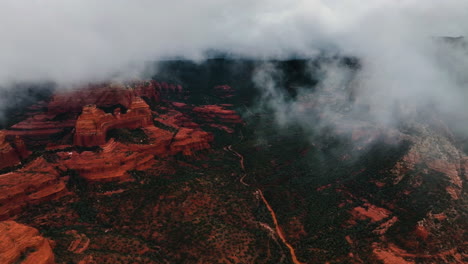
[(64, 107), (37, 182), (23, 245), (110, 164)]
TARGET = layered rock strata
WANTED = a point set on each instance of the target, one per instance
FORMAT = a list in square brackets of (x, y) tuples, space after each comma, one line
[(37, 182), (92, 125), (21, 244)]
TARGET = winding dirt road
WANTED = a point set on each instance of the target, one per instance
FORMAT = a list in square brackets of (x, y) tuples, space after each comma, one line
[(279, 231)]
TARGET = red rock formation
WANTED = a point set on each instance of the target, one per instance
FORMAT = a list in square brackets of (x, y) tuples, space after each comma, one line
[(165, 143), (146, 89), (42, 122), (36, 182), (8, 155), (21, 148), (21, 244), (392, 254), (93, 123), (38, 128), (210, 113), (374, 213), (176, 119), (168, 88), (188, 140), (11, 155), (102, 95), (80, 243), (110, 164)]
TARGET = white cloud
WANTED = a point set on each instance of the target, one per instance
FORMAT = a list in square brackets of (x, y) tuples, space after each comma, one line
[(87, 40)]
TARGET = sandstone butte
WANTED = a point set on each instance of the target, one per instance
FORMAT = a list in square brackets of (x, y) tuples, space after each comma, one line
[(102, 95), (92, 125), (9, 155), (110, 164), (21, 244), (37, 182)]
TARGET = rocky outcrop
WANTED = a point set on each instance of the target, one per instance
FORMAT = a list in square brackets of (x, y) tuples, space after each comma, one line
[(8, 155), (165, 87), (11, 155), (37, 182), (40, 128), (217, 113), (110, 164), (92, 125), (188, 137), (187, 141), (146, 89), (104, 95), (21, 244), (175, 120)]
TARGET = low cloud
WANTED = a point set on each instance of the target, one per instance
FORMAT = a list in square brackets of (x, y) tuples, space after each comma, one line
[(70, 42)]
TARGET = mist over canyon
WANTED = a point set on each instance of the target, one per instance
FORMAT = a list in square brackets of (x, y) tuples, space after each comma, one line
[(402, 59)]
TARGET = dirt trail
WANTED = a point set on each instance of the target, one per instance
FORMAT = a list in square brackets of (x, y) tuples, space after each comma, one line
[(278, 229)]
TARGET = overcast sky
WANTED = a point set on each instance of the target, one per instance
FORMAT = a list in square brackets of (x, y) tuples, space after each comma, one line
[(82, 40), (75, 41)]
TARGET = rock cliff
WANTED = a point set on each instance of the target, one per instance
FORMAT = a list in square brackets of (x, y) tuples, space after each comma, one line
[(21, 244), (92, 125), (110, 164), (37, 182), (11, 154)]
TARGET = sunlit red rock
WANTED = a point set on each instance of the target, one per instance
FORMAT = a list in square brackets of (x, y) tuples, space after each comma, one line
[(21, 244), (37, 182), (110, 164), (93, 124)]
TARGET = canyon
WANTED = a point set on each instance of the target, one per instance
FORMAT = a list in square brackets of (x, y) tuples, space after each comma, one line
[(174, 172)]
